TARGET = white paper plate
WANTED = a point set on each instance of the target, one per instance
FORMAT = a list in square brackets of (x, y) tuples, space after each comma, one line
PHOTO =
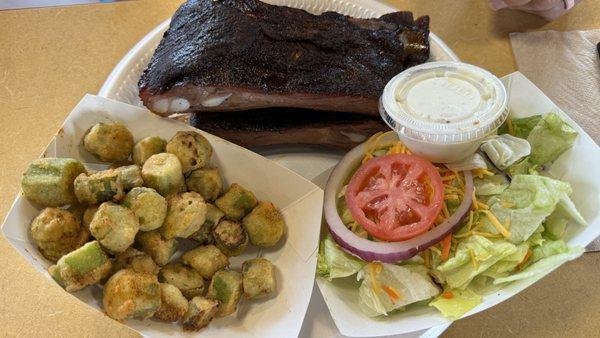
[(300, 203), (578, 166)]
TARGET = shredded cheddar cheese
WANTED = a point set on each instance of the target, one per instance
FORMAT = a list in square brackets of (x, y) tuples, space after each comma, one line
[(436, 250), (473, 259), (374, 270), (496, 223)]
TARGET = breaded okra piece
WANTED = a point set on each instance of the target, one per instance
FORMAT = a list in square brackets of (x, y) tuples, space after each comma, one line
[(206, 260), (199, 314), (186, 279), (230, 238), (236, 202), (186, 213), (265, 225), (162, 172), (82, 267), (148, 205), (114, 226), (147, 147), (56, 232), (192, 149), (173, 304), (206, 181), (88, 215), (213, 217), (110, 142), (226, 287), (135, 260), (49, 181), (99, 187), (131, 176), (130, 294), (258, 278), (161, 250)]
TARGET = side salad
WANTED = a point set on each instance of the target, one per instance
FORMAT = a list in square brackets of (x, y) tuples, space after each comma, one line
[(512, 228)]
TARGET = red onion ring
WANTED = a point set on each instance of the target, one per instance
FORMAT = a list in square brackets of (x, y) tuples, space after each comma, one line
[(387, 252)]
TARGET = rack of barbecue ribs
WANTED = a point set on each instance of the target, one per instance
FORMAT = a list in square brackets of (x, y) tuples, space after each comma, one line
[(244, 56)]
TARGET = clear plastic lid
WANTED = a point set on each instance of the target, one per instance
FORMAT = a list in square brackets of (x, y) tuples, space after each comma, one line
[(444, 102)]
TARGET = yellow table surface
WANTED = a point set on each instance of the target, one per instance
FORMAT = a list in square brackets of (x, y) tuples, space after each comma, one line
[(51, 57)]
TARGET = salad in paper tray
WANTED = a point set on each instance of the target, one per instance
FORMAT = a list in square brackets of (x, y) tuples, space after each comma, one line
[(414, 231)]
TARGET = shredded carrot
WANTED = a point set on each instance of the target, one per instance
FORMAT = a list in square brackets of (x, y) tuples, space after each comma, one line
[(392, 293), (448, 294), (446, 247), (524, 261)]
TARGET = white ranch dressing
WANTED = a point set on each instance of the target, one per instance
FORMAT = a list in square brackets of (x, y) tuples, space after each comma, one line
[(442, 110)]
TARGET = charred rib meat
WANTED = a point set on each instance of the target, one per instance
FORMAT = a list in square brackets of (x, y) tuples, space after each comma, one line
[(228, 55)]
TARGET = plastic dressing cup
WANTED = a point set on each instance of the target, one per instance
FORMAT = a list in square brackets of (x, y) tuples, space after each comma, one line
[(443, 110)]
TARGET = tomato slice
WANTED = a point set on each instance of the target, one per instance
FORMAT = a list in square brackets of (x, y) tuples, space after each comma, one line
[(395, 197)]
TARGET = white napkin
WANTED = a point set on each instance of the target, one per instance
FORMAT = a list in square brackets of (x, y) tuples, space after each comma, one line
[(566, 66)]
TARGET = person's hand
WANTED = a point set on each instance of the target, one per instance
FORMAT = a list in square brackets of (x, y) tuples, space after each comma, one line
[(548, 9)]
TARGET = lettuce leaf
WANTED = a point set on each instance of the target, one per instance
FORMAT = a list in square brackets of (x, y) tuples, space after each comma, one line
[(508, 264), (388, 287), (460, 302), (544, 265), (490, 185), (527, 202), (549, 248), (521, 127), (505, 150), (523, 167), (550, 138), (458, 271), (474, 161), (333, 262)]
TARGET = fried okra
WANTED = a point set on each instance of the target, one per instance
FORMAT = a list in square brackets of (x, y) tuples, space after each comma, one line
[(147, 147), (49, 181), (186, 213), (99, 187), (114, 226), (88, 215), (186, 279), (199, 313), (135, 260), (161, 250), (131, 294), (206, 260), (213, 216), (162, 172), (230, 238), (173, 304), (264, 224), (148, 205), (192, 149), (110, 142), (236, 202), (226, 287), (206, 181), (81, 267), (258, 278), (131, 176), (56, 232)]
